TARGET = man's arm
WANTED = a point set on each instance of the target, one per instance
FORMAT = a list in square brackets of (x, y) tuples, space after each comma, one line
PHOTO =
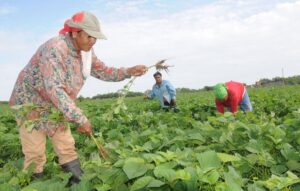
[(219, 106), (101, 71), (171, 90), (152, 94)]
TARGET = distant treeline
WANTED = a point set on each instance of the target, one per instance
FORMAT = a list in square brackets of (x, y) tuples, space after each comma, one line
[(293, 80), (277, 81), (115, 95)]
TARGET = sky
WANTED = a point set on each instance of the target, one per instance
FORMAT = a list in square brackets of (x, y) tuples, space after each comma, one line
[(207, 41)]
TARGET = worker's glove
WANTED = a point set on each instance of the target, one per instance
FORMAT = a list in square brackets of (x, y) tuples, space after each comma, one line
[(86, 128), (137, 70)]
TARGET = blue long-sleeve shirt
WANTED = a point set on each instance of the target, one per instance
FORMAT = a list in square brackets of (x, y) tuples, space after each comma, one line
[(164, 90)]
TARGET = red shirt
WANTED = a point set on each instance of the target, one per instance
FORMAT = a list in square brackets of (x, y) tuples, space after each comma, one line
[(235, 95)]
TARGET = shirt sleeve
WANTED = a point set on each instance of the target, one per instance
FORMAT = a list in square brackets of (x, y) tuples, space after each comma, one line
[(171, 90), (101, 71), (53, 77), (151, 94), (219, 106)]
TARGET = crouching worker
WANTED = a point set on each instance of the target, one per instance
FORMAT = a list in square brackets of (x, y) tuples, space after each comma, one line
[(232, 95), (164, 91), (52, 79)]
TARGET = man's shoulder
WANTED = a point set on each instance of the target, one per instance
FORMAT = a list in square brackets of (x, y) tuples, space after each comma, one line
[(57, 41), (166, 82)]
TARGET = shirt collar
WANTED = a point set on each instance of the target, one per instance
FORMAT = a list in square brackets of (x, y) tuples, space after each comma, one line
[(72, 49)]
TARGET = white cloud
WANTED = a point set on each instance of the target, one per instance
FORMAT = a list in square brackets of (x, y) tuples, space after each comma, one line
[(209, 44)]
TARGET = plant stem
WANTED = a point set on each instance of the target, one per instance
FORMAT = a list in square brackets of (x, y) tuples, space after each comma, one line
[(99, 146)]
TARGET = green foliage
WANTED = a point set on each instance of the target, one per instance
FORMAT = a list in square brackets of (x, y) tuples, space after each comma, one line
[(43, 114), (134, 167), (195, 149)]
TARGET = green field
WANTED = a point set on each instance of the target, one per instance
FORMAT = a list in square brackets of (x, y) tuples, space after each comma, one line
[(195, 149)]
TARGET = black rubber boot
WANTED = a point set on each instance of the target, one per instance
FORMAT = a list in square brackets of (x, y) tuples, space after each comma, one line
[(74, 168), (37, 175)]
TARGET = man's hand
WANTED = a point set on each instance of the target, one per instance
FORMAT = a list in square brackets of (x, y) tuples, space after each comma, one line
[(86, 128), (173, 102), (137, 70)]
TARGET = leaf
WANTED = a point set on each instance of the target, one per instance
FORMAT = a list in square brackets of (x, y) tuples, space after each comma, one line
[(103, 187), (29, 124), (108, 174), (14, 181), (196, 136), (17, 107), (254, 146), (233, 180), (119, 163), (208, 160), (154, 157), (293, 165), (82, 185), (164, 172), (221, 186), (134, 167), (228, 158), (191, 183), (289, 152), (141, 183), (169, 155), (182, 175), (29, 189), (117, 110), (210, 177), (254, 187), (6, 187), (276, 182), (278, 169), (155, 183)]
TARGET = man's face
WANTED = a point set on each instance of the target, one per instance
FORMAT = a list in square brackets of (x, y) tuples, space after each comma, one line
[(158, 79), (83, 41)]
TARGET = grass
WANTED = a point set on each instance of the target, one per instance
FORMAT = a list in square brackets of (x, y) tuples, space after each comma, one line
[(4, 108)]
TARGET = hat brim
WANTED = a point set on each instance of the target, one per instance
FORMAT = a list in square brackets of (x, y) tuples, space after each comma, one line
[(95, 34)]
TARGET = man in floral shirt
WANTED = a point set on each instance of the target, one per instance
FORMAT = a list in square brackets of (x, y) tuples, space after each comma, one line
[(52, 79)]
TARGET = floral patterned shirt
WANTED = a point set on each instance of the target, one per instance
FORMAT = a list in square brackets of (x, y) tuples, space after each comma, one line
[(54, 77)]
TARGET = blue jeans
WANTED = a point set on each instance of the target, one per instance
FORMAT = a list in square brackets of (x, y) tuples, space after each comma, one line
[(245, 104)]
